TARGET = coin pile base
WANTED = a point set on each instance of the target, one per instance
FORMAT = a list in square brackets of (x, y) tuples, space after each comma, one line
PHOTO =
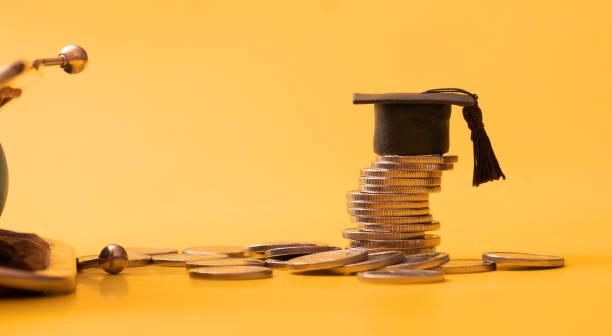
[(391, 207)]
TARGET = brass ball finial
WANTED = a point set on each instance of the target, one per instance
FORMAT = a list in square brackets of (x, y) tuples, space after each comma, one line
[(75, 59), (113, 258), (72, 58)]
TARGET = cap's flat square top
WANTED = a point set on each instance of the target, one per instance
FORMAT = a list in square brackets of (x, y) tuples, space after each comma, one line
[(413, 98)]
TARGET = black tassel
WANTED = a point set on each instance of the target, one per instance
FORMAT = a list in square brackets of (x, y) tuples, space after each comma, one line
[(486, 166)]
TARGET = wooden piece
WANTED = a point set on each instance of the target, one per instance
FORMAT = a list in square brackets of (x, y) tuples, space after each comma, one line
[(59, 277)]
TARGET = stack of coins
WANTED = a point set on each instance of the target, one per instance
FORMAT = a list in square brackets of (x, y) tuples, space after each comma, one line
[(391, 207)]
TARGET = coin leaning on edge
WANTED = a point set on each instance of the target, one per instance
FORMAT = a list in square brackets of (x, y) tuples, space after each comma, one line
[(375, 261), (326, 260), (297, 250), (421, 261)]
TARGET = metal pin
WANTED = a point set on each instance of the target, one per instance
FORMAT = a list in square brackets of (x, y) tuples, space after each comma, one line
[(113, 259), (72, 58)]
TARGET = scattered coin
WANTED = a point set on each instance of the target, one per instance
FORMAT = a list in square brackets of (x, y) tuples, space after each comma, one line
[(261, 248), (134, 259), (401, 276), (417, 227), (370, 188), (418, 159), (375, 261), (421, 261), (372, 197), (405, 182), (276, 263), (408, 252), (456, 266), (356, 234), (152, 250), (399, 173), (412, 166), (388, 205), (429, 240), (230, 251), (231, 272), (225, 262), (180, 259), (519, 259), (327, 260), (297, 250), (392, 220)]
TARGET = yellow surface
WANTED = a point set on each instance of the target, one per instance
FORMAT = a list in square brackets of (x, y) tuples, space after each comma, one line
[(221, 122)]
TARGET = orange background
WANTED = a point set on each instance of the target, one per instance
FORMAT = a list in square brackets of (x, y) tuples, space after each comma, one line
[(228, 122)]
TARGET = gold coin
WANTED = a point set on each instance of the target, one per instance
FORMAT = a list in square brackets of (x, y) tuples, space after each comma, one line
[(412, 166), (418, 158), (151, 250), (375, 261), (369, 188), (231, 272), (388, 212), (327, 260), (402, 182), (421, 261), (180, 259), (372, 197), (276, 263), (230, 251), (518, 259), (401, 276), (357, 234), (388, 205), (392, 220), (406, 251), (297, 250), (418, 227), (261, 248), (429, 240), (225, 262), (457, 266), (399, 173)]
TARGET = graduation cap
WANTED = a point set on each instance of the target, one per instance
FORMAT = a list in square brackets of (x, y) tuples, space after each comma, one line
[(418, 124)]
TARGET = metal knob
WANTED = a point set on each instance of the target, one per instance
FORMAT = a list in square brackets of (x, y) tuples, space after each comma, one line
[(113, 259), (72, 58)]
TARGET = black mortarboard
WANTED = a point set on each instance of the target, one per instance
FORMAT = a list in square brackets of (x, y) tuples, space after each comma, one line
[(418, 124)]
